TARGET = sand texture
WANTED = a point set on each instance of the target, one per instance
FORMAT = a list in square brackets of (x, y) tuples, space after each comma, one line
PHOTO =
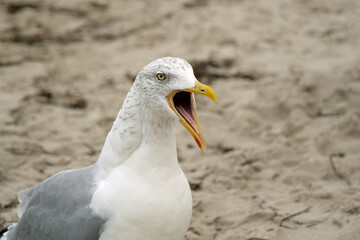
[(283, 144)]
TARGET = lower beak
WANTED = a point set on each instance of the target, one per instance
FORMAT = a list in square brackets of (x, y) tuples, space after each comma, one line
[(185, 108)]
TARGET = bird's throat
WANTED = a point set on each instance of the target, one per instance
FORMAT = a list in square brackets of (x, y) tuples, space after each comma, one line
[(138, 129)]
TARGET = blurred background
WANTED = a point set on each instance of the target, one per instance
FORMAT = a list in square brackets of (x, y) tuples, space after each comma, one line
[(283, 155)]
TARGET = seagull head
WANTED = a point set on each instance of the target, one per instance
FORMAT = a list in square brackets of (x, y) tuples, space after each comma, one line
[(170, 83)]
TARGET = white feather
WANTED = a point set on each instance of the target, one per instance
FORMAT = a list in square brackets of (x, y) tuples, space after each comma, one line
[(142, 192)]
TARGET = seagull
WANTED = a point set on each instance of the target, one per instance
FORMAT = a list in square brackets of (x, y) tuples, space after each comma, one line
[(136, 190)]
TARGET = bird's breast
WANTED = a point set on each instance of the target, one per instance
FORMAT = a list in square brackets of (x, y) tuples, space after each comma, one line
[(142, 205)]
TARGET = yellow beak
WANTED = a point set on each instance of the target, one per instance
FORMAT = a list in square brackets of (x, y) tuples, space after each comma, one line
[(204, 90), (184, 107)]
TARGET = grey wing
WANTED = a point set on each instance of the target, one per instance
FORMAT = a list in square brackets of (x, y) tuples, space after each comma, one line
[(59, 209)]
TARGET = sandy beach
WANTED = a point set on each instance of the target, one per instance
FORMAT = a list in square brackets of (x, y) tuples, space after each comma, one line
[(283, 144)]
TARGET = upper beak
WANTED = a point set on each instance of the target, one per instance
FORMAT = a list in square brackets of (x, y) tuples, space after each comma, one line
[(204, 90), (187, 111)]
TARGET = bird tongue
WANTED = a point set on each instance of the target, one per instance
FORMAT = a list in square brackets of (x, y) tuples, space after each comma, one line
[(188, 116)]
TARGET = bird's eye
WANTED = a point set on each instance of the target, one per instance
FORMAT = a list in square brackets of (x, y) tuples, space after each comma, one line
[(161, 76)]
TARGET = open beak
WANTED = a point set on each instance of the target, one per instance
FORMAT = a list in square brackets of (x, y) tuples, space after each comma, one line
[(182, 102)]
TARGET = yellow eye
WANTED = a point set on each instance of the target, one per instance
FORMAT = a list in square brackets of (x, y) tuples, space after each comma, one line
[(161, 76)]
